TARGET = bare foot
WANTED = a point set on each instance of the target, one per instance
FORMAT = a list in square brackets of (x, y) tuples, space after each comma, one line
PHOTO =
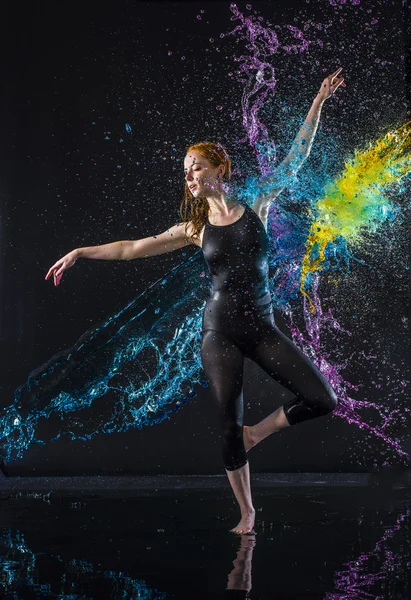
[(249, 437), (246, 525)]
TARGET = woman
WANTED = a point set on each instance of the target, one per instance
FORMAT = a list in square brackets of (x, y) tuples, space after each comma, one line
[(238, 316)]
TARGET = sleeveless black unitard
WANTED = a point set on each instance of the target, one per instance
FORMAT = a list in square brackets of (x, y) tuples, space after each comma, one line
[(238, 321), (237, 258)]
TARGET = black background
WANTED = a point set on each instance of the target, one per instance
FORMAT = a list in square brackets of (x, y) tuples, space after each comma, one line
[(74, 75)]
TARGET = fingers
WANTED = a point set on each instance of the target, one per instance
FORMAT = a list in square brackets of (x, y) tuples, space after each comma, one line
[(57, 272), (336, 73), (57, 278), (55, 266), (337, 84)]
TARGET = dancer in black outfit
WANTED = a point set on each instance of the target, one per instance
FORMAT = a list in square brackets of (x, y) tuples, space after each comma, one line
[(238, 321), (238, 318)]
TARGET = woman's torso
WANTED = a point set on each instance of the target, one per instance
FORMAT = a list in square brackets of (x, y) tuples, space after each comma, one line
[(237, 259)]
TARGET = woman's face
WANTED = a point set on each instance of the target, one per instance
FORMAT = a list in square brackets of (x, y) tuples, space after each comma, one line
[(201, 176)]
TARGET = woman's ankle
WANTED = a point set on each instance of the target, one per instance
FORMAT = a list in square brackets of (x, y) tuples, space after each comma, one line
[(247, 512)]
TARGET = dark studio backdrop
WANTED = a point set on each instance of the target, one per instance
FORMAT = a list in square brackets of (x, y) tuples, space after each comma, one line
[(72, 175)]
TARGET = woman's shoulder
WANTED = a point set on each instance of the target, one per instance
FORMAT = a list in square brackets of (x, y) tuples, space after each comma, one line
[(260, 212), (189, 229)]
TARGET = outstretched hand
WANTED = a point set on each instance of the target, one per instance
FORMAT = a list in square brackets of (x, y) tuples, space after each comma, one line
[(330, 84), (60, 266)]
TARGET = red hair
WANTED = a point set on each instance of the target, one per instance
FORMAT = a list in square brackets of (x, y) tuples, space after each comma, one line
[(194, 209)]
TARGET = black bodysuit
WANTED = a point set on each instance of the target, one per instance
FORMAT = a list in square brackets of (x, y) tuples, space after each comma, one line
[(238, 321)]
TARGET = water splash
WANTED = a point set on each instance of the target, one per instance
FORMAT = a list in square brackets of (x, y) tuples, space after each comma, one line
[(262, 43), (356, 203), (146, 356), (348, 408), (357, 579), (20, 574)]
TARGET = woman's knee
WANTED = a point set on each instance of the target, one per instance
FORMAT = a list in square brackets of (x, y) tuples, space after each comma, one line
[(333, 400), (327, 403), (302, 409), (232, 433)]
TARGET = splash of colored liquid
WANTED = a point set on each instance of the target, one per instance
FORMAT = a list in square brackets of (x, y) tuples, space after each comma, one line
[(356, 204), (357, 579), (146, 356), (20, 567), (262, 43)]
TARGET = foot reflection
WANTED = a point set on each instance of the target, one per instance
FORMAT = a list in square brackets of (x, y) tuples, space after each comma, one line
[(240, 577)]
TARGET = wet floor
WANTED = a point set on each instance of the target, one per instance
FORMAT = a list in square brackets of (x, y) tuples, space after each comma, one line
[(330, 543)]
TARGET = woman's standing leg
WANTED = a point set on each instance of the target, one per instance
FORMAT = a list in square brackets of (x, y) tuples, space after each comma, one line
[(223, 363), (287, 364)]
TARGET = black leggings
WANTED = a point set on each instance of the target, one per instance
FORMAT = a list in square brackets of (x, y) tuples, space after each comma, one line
[(222, 356)]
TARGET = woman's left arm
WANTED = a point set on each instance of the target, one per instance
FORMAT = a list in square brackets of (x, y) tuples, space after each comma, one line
[(301, 146)]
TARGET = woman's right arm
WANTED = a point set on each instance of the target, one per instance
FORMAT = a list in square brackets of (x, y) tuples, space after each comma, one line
[(171, 239)]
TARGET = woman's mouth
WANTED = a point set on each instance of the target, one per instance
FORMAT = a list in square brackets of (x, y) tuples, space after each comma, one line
[(192, 187)]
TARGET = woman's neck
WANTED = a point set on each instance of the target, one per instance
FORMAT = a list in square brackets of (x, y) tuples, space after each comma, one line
[(221, 205)]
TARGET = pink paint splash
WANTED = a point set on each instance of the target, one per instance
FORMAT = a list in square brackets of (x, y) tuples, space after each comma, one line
[(354, 580), (262, 43), (348, 408)]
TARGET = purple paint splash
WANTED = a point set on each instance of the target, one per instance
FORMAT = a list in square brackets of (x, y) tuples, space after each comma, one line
[(348, 408), (357, 576), (262, 43), (341, 2)]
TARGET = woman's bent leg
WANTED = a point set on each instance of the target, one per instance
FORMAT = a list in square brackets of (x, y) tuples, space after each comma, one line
[(287, 364)]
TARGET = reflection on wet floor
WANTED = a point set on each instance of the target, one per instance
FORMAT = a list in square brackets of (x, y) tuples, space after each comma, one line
[(331, 544)]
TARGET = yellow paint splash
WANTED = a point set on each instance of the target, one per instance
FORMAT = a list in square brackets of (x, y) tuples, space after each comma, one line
[(354, 203)]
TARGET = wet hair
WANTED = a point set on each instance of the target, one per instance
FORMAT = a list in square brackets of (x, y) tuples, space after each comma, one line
[(194, 209)]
